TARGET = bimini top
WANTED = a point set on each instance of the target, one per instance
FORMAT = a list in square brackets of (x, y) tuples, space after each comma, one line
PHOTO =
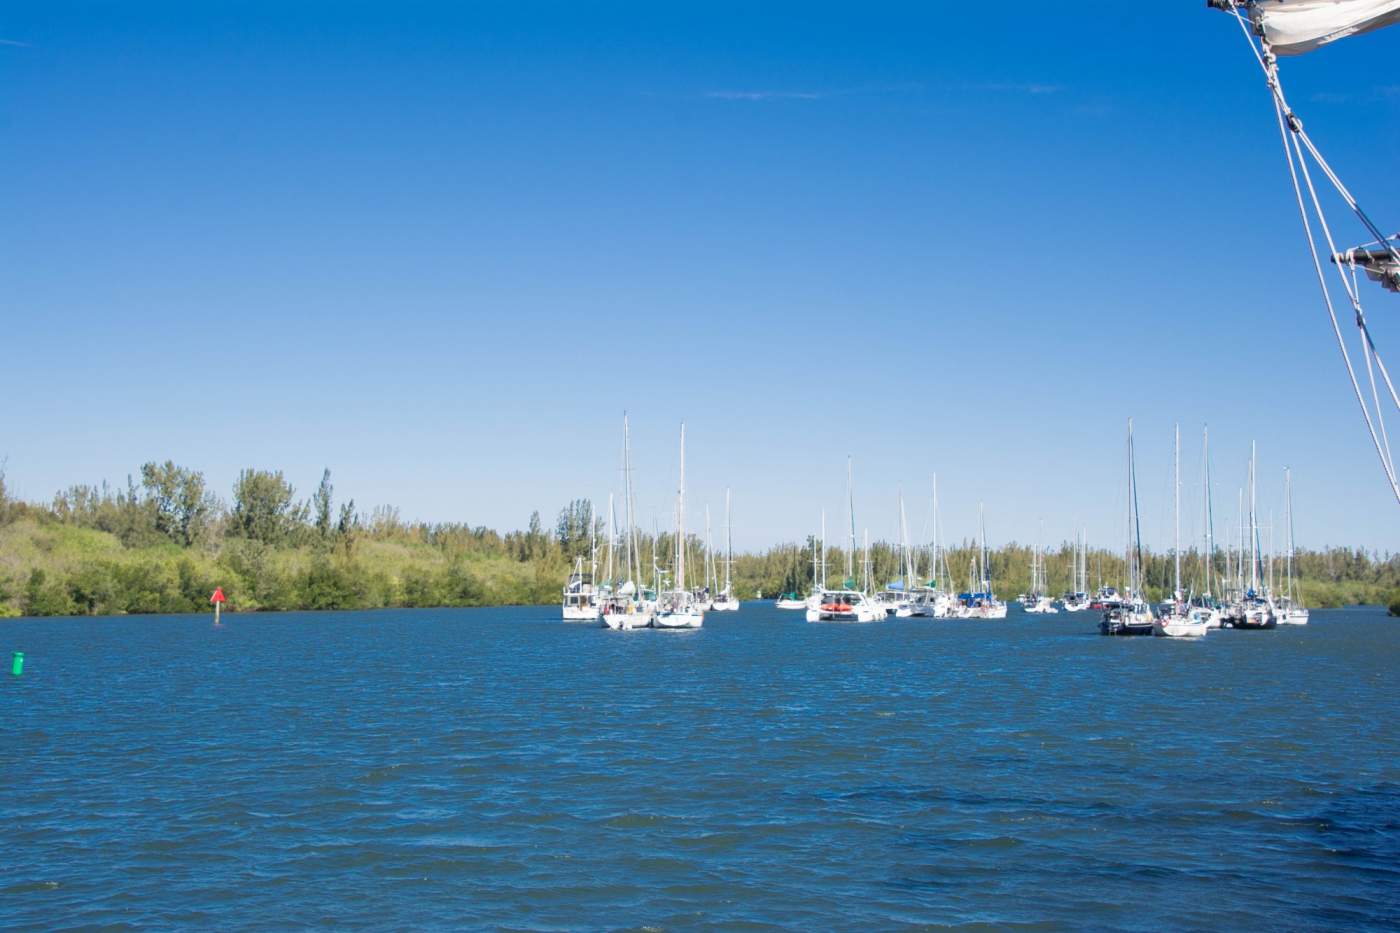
[(1295, 27)]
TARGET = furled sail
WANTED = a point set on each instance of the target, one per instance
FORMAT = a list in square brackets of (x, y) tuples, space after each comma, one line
[(1293, 27)]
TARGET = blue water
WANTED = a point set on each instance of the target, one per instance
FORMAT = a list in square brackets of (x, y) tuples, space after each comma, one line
[(502, 769)]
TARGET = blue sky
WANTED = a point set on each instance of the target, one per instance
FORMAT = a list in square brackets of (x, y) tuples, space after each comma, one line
[(440, 247)]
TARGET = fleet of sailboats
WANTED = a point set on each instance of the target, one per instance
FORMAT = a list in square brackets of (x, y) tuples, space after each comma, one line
[(1241, 595)]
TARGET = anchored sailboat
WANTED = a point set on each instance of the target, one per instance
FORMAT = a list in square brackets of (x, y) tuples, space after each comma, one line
[(725, 600), (1131, 616), (628, 606), (678, 608), (1290, 608)]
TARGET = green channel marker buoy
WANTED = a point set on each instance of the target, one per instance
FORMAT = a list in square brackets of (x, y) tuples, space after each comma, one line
[(17, 668)]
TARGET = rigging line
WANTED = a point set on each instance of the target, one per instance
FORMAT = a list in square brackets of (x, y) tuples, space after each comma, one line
[(1265, 57), (1366, 335), (1346, 195), (1369, 351), (1386, 465)]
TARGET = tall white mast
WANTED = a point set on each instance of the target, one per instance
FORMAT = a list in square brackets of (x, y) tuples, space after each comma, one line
[(709, 551), (982, 548), (939, 580), (1288, 518), (611, 537), (904, 557), (851, 512), (1253, 525), (1176, 510), (680, 520), (823, 548), (1128, 545), (634, 551), (1207, 519), (728, 543), (865, 565)]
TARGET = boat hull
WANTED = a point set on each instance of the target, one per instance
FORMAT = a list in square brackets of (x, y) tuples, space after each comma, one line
[(676, 621)]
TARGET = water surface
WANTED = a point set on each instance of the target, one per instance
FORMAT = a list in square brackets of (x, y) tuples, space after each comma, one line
[(501, 769)]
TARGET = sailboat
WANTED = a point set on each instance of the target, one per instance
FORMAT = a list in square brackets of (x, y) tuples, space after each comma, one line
[(945, 604), (981, 602), (846, 604), (1040, 602), (898, 597), (1290, 608), (581, 597), (1131, 616), (628, 607), (1180, 620), (725, 600), (1254, 609), (678, 608), (1276, 28), (1079, 600)]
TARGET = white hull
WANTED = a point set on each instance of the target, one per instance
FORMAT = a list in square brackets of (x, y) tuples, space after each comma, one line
[(791, 604), (626, 621), (678, 620), (580, 613), (725, 605), (987, 612), (861, 614), (1180, 628), (1293, 617)]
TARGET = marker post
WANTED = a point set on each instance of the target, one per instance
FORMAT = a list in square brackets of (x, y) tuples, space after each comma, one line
[(218, 600)]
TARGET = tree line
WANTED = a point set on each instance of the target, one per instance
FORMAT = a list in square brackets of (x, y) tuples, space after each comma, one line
[(162, 541)]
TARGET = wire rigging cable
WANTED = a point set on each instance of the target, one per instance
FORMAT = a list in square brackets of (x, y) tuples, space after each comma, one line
[(1382, 263)]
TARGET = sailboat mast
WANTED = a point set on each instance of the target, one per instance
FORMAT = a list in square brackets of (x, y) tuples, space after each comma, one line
[(612, 534), (982, 548), (1253, 524), (1208, 519), (680, 520), (865, 565), (904, 545), (851, 512), (728, 542), (823, 548), (630, 518), (1128, 546), (937, 573), (1288, 518), (1176, 509)]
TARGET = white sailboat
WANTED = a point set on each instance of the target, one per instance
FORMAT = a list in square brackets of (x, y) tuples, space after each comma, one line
[(580, 596), (1254, 609), (1290, 608), (982, 603), (846, 604), (1180, 620), (1079, 600), (725, 600), (1131, 615), (628, 607), (945, 603), (1039, 602), (678, 608)]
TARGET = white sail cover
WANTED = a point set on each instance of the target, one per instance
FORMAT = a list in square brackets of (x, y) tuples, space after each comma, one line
[(1293, 27)]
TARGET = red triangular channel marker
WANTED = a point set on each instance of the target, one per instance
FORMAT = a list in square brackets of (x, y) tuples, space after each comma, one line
[(218, 596)]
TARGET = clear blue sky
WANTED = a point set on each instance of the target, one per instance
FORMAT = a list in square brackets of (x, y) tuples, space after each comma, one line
[(439, 247)]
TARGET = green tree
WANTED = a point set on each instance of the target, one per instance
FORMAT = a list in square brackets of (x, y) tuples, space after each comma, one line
[(263, 508), (322, 505), (179, 501)]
